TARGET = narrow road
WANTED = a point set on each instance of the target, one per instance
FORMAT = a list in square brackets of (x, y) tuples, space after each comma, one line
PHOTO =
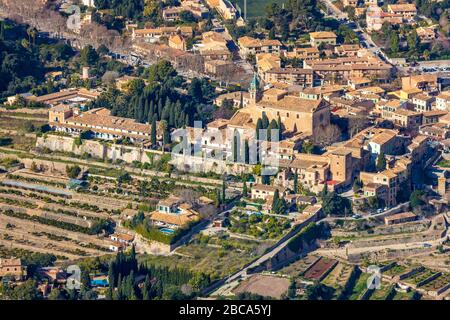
[(273, 251)]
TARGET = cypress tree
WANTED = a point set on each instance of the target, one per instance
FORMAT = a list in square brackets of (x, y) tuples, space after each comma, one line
[(295, 182), (381, 162), (280, 128), (273, 125), (153, 132), (223, 192), (259, 126), (276, 199), (265, 121), (246, 152), (217, 200), (244, 189)]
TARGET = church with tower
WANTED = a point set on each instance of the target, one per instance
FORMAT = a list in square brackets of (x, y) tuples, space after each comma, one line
[(298, 115)]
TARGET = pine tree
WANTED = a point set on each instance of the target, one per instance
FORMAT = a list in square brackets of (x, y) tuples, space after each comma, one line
[(146, 288)]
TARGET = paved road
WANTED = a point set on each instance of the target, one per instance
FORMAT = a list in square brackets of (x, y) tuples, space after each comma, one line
[(363, 36), (368, 216), (342, 252), (231, 281)]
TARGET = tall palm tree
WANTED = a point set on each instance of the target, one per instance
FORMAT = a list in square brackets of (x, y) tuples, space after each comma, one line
[(32, 33)]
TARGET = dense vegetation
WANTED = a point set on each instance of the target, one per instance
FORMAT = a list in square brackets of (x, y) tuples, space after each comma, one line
[(25, 58), (158, 282), (307, 236), (162, 99), (403, 42), (291, 22)]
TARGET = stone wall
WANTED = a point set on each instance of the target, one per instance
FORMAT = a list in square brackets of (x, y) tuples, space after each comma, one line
[(96, 149), (200, 164)]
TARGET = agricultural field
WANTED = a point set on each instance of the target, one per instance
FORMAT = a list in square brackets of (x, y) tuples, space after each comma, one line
[(395, 271), (404, 295), (319, 269), (438, 283), (42, 216), (264, 285), (359, 288), (418, 277), (212, 255), (258, 225), (382, 293), (298, 267), (339, 276)]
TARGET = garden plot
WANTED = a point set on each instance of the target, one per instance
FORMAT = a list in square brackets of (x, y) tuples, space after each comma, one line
[(383, 292), (217, 257), (438, 285), (419, 277), (33, 207), (264, 285), (395, 271), (13, 247), (404, 295), (258, 225), (359, 288), (339, 276), (320, 269), (300, 266)]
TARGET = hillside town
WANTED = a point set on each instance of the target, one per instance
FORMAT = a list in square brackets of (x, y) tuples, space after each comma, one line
[(224, 150)]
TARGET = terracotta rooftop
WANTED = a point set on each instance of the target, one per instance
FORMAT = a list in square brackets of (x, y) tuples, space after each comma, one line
[(402, 7), (174, 219), (322, 35), (100, 119), (249, 42), (402, 215), (263, 187)]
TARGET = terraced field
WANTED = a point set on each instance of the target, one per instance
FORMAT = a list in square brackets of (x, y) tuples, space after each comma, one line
[(404, 295), (382, 293), (417, 278), (339, 276), (438, 283), (395, 271), (64, 223), (360, 287), (299, 267)]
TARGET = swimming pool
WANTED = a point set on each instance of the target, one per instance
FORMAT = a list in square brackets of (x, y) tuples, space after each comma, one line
[(167, 230)]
